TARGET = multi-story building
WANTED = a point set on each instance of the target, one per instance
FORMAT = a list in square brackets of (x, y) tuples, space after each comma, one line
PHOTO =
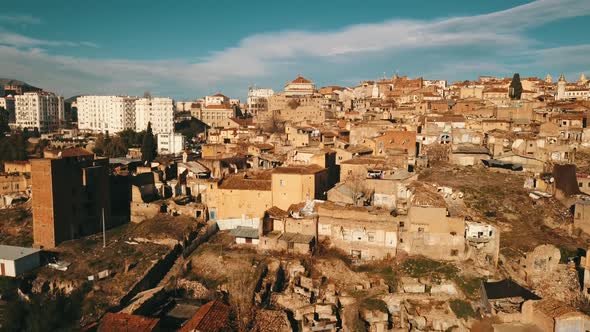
[(218, 99), (158, 111), (71, 194), (41, 110), (170, 143), (299, 87), (106, 113), (215, 115), (258, 100)]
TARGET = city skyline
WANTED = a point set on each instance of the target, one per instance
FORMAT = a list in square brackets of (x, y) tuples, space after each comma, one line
[(187, 51)]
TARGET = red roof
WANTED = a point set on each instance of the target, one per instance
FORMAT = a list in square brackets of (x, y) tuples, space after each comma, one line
[(220, 95), (114, 322), (211, 317), (300, 79)]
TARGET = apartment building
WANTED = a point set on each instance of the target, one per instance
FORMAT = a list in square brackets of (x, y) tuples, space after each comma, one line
[(158, 111), (41, 110), (170, 143), (106, 113), (258, 100)]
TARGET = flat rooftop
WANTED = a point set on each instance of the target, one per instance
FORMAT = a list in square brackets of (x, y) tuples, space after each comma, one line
[(13, 253)]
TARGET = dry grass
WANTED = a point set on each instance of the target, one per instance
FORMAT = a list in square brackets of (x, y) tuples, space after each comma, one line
[(16, 226), (499, 198)]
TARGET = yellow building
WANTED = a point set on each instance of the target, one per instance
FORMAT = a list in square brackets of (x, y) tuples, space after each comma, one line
[(296, 184), (12, 184)]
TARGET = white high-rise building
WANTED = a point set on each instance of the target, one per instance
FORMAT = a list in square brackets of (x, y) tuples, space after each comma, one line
[(158, 111), (106, 113), (42, 110)]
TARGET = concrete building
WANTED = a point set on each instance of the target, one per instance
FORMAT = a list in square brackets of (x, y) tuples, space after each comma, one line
[(298, 184), (362, 233), (41, 110), (106, 113), (15, 261), (214, 115), (157, 111), (12, 183), (300, 86), (217, 99), (70, 193), (258, 100), (551, 315), (170, 143)]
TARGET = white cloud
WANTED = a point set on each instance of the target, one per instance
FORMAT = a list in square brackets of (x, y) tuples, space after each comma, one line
[(270, 54), (19, 19), (22, 41)]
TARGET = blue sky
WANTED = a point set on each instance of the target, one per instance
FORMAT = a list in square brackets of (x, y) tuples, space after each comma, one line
[(187, 49)]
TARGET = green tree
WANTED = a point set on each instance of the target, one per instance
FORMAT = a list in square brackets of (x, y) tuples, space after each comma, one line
[(129, 138), (148, 146), (99, 144), (115, 148), (515, 90)]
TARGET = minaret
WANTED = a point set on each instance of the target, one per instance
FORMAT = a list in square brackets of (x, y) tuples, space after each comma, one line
[(548, 79), (561, 87)]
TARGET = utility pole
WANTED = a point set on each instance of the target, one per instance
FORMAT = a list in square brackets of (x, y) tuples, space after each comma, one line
[(104, 234)]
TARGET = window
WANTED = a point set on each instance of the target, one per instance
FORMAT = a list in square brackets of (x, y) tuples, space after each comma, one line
[(420, 229), (371, 236), (454, 252), (402, 224), (282, 183)]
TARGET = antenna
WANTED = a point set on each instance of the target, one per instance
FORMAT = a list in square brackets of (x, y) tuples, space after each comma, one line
[(104, 234)]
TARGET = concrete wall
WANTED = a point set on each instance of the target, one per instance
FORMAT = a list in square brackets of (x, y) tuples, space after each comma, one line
[(9, 267), (27, 263), (225, 224), (572, 324)]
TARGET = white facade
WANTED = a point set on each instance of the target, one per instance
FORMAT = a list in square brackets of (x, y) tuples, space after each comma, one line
[(217, 99), (158, 111), (170, 143), (258, 100), (15, 261), (106, 113), (41, 110), (299, 87)]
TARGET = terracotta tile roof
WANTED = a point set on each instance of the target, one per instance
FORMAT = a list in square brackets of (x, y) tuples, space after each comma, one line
[(211, 317), (239, 182), (276, 212), (310, 169), (113, 322), (300, 79), (220, 95)]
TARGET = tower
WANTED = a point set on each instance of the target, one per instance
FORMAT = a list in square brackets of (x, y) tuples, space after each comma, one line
[(583, 79), (548, 79), (561, 87)]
